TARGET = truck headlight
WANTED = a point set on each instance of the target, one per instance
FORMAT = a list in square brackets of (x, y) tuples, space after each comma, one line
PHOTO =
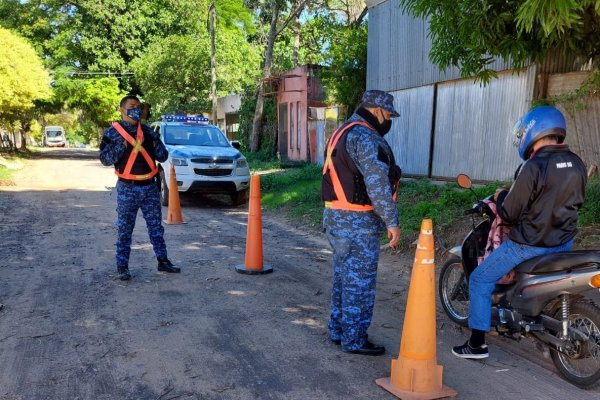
[(179, 162), (241, 163)]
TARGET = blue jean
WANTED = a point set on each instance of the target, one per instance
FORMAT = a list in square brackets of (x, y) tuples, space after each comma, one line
[(483, 279)]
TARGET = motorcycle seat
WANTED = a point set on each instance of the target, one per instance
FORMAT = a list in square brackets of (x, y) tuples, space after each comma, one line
[(558, 262)]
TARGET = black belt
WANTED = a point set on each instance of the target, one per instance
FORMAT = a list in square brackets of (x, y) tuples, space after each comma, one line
[(145, 182)]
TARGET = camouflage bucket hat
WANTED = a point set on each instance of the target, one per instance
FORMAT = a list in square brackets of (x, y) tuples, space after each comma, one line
[(379, 98)]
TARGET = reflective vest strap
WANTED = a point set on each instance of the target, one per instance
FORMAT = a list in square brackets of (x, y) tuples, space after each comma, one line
[(124, 133), (137, 148), (333, 141), (342, 203), (339, 205)]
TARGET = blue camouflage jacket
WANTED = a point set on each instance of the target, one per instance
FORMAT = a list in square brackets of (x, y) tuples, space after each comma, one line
[(362, 145), (113, 146)]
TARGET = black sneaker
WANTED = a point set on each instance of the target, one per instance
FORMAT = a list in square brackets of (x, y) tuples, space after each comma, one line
[(165, 265), (466, 351), (124, 274)]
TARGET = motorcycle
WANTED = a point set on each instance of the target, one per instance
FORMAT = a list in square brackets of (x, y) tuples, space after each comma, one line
[(549, 300)]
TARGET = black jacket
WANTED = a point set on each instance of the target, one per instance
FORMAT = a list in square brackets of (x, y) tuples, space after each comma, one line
[(543, 201)]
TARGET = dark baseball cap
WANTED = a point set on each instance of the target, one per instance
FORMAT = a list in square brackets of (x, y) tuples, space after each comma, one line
[(379, 98)]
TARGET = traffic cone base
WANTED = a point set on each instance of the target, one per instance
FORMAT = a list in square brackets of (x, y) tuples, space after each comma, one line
[(444, 391), (266, 269), (174, 215)]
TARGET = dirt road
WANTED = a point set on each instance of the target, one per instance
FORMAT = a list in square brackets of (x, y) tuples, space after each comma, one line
[(69, 330)]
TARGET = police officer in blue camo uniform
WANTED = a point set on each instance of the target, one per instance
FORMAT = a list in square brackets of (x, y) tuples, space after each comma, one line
[(133, 149), (360, 179)]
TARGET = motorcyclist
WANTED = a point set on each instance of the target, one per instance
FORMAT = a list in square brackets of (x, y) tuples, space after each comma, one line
[(541, 206)]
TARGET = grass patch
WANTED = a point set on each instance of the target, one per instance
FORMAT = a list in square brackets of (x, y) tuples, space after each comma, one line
[(5, 174), (11, 161), (297, 193), (590, 212), (262, 161), (443, 203)]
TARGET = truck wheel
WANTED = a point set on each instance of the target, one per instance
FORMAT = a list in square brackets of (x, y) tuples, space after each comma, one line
[(239, 198), (164, 189)]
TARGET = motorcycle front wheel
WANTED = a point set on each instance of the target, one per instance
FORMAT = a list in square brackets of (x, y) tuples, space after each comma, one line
[(581, 365), (454, 291)]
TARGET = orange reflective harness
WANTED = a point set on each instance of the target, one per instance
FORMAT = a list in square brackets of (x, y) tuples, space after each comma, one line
[(137, 149), (342, 202)]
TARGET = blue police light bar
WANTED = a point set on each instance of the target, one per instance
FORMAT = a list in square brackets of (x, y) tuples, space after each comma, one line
[(184, 118)]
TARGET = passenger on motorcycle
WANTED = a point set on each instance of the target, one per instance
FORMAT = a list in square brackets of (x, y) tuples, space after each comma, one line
[(541, 206)]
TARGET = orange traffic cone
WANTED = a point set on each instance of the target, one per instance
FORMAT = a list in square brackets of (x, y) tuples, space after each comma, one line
[(416, 374), (254, 245), (174, 211)]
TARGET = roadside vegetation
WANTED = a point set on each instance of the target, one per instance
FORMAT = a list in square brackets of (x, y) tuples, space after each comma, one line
[(10, 162), (297, 193)]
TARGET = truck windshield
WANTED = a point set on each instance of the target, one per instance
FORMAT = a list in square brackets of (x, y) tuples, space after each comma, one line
[(190, 135), (53, 134)]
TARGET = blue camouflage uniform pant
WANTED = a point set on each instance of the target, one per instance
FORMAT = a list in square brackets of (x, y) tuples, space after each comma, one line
[(355, 258), (131, 198)]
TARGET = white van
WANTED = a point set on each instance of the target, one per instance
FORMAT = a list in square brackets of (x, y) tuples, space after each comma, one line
[(54, 136)]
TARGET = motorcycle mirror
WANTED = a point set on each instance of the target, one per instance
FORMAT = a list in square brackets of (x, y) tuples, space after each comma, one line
[(463, 181)]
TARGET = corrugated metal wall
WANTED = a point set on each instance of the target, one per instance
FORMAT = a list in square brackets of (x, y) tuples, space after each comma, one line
[(398, 51), (410, 136), (583, 132), (583, 117), (473, 127)]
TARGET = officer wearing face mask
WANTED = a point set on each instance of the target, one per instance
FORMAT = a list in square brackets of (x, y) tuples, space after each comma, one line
[(360, 179), (133, 149)]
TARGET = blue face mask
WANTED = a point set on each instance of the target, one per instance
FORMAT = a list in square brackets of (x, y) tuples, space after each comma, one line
[(135, 114)]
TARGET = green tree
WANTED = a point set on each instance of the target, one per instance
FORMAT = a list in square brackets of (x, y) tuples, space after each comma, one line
[(100, 35), (174, 74), (94, 100), (345, 54), (23, 79), (469, 33)]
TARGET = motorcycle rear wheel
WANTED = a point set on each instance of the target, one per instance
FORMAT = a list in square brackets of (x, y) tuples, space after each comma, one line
[(453, 290), (581, 366)]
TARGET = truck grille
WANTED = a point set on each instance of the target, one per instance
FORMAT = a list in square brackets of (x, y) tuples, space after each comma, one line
[(213, 171), (210, 160)]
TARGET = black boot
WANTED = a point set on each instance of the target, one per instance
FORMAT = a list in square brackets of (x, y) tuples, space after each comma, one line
[(123, 273), (368, 349), (165, 265)]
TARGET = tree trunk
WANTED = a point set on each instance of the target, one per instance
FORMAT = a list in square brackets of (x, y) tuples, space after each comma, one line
[(257, 121), (296, 31), (23, 140), (213, 67)]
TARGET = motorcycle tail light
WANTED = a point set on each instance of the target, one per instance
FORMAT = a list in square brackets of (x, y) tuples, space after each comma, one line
[(595, 281)]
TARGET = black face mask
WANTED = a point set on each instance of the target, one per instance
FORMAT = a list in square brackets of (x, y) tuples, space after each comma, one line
[(382, 128)]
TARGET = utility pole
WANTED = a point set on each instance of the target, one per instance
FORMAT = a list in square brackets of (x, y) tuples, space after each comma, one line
[(212, 17)]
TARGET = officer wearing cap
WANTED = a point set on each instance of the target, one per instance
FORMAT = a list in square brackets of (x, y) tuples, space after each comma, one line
[(360, 179), (133, 148)]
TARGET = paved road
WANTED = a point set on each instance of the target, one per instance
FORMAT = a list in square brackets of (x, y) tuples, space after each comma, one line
[(69, 330)]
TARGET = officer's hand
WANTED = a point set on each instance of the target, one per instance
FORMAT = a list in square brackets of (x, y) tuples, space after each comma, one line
[(394, 235), (153, 134)]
